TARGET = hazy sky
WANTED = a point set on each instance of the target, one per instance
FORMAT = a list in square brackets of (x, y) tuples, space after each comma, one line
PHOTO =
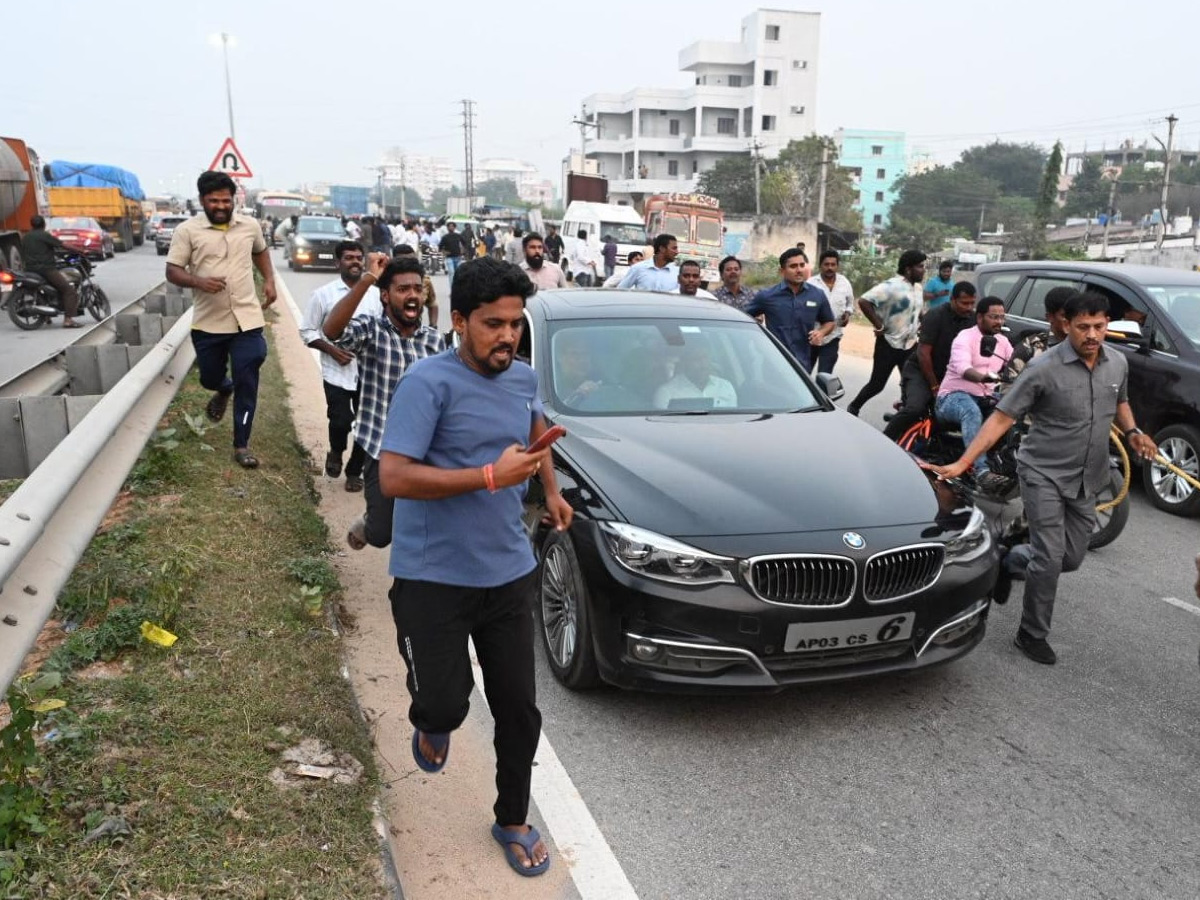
[(320, 90)]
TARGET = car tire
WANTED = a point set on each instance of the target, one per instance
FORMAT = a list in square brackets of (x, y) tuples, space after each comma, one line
[(564, 615), (1180, 444), (1111, 523)]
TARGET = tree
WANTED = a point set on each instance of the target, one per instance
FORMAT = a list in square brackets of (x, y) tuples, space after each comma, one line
[(792, 185), (731, 181), (1088, 194), (1015, 168), (1047, 200), (437, 200), (923, 234), (412, 200), (954, 196), (498, 192)]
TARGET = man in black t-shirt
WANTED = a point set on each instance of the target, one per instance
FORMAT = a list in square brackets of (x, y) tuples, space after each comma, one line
[(38, 248), (553, 244), (451, 246), (923, 372)]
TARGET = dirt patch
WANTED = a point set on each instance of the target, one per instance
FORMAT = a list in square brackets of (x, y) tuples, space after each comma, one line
[(858, 340), (49, 639), (118, 513)]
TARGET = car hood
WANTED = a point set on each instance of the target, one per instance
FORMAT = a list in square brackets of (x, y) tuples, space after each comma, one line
[(739, 474), (319, 238)]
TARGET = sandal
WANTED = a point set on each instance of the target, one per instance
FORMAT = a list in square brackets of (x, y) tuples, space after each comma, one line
[(72, 324), (356, 537), (505, 837), (440, 742), (245, 459), (215, 410), (354, 484)]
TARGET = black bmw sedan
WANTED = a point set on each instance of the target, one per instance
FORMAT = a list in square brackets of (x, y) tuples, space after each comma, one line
[(733, 529)]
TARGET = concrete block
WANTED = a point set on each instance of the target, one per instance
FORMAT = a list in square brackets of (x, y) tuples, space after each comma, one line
[(150, 329), (12, 444), (154, 303), (113, 363), (83, 368), (127, 328), (169, 323), (77, 408), (174, 306), (137, 352), (45, 425)]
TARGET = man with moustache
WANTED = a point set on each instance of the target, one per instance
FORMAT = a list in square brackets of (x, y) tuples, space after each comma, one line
[(386, 346), (454, 458), (215, 255), (1071, 394), (544, 274), (339, 370), (732, 292), (840, 293)]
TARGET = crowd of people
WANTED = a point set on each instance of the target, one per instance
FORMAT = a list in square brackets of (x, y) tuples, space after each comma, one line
[(443, 453)]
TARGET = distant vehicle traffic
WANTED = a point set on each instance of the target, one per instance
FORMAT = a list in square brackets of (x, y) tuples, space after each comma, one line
[(279, 204), (22, 196), (165, 231), (83, 234), (312, 244), (693, 564), (1158, 314), (698, 224), (622, 223)]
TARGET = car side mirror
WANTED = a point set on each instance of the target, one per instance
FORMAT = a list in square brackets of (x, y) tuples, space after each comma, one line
[(831, 385)]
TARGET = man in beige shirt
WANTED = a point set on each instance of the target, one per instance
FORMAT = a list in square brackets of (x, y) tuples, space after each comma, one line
[(215, 255), (544, 274)]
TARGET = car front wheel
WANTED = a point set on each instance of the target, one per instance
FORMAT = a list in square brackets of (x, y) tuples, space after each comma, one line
[(564, 619), (1180, 446)]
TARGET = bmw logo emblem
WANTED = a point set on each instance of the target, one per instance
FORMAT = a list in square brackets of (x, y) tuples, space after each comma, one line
[(854, 540)]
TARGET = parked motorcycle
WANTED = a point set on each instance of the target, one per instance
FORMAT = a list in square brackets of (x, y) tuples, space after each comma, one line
[(931, 441), (33, 301)]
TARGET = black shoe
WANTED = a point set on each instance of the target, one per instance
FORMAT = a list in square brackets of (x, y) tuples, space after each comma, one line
[(1036, 649), (333, 464), (993, 484), (215, 410), (1002, 587)]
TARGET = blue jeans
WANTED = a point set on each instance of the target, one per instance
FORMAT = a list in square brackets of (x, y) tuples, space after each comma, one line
[(452, 265), (240, 354), (962, 409)]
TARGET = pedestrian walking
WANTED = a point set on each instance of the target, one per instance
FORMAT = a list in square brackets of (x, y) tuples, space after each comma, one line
[(514, 252), (489, 240), (544, 274), (454, 459), (609, 253), (381, 236), (468, 239), (732, 292), (938, 288), (659, 273), (583, 260), (353, 230), (554, 245), (215, 255), (38, 247), (1072, 394), (840, 294), (386, 346), (339, 368), (894, 309), (428, 294), (795, 312), (451, 245)]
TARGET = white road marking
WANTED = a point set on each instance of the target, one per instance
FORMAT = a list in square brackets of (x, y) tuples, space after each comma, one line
[(1183, 604), (282, 288), (581, 845)]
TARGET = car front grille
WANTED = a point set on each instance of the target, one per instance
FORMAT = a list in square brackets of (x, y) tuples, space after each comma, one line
[(804, 580), (900, 573)]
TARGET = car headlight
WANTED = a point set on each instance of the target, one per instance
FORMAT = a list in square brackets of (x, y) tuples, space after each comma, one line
[(970, 543), (666, 559), (300, 242)]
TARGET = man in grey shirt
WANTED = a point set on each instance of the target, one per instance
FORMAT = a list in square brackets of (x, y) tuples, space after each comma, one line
[(1072, 393)]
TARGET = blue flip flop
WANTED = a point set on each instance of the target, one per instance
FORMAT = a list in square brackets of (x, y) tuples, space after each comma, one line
[(440, 742), (504, 837)]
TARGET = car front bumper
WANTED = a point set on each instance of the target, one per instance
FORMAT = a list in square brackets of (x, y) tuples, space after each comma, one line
[(655, 635)]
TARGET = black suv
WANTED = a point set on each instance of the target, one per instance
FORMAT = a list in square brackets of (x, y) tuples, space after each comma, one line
[(1164, 359)]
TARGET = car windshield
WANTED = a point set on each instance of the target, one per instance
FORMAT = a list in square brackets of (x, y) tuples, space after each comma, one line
[(708, 231), (678, 225), (172, 221), (638, 367), (320, 226), (71, 223), (1182, 304), (625, 233)]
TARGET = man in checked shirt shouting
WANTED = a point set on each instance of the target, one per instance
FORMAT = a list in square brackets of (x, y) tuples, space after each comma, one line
[(386, 346)]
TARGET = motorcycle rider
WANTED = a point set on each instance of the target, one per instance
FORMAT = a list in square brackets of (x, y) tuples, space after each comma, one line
[(38, 248)]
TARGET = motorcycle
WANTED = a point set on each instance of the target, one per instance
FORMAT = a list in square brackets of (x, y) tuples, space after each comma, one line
[(33, 301), (432, 259), (933, 442)]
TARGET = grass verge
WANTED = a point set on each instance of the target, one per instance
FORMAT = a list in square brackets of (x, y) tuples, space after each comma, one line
[(156, 778)]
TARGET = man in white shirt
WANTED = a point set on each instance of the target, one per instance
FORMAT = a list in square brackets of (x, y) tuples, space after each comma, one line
[(689, 281), (583, 261), (840, 293), (695, 384), (354, 231), (339, 370), (514, 250)]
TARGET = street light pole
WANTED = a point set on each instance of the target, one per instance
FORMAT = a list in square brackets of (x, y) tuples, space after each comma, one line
[(228, 88)]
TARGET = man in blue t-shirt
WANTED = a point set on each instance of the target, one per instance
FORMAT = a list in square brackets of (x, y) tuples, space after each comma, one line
[(937, 290), (454, 459)]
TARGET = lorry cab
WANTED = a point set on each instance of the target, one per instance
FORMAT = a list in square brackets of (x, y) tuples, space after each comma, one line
[(698, 224), (622, 223)]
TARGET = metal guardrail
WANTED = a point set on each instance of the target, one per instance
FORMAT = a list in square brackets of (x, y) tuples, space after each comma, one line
[(49, 521)]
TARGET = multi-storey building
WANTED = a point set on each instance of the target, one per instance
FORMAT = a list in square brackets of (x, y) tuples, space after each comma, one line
[(531, 187), (876, 159), (759, 90), (424, 174)]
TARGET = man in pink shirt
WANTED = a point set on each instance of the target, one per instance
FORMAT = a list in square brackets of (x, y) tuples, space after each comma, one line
[(969, 378)]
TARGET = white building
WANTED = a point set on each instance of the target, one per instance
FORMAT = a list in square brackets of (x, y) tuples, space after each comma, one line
[(531, 187), (424, 174), (761, 88)]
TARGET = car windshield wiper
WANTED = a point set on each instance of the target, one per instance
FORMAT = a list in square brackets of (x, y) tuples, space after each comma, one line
[(684, 412)]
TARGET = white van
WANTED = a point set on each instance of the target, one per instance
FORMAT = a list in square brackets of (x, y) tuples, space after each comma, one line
[(599, 219)]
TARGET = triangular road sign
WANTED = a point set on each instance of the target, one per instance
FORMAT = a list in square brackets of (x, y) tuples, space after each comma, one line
[(229, 160)]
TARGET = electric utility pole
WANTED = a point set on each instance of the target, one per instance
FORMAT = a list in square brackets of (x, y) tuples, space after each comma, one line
[(584, 125), (1166, 188), (824, 175), (468, 115), (755, 147), (1112, 196)]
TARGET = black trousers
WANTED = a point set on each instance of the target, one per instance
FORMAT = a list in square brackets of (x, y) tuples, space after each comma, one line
[(240, 354), (433, 622), (341, 406), (377, 519), (916, 398), (884, 360)]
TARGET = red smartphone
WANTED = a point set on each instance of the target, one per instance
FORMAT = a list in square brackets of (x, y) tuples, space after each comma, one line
[(549, 436)]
